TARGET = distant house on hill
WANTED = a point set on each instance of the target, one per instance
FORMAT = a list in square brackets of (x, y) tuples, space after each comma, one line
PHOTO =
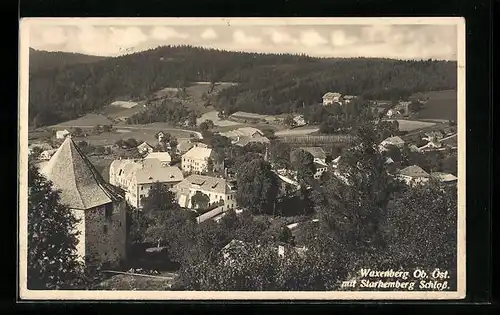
[(391, 141), (99, 206), (299, 120), (145, 148), (61, 134), (348, 98), (413, 175), (331, 97), (321, 168), (137, 177), (432, 146), (246, 135)]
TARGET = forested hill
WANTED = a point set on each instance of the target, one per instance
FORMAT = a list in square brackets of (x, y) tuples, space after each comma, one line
[(268, 83), (46, 60)]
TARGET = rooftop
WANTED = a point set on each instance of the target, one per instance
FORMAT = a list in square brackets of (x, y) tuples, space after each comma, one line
[(394, 140), (147, 171), (81, 185), (316, 152), (160, 156), (444, 177), (331, 95), (198, 153), (207, 183), (144, 145), (413, 171), (242, 132)]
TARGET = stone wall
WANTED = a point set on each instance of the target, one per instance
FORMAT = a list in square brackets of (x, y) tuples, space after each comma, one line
[(105, 239)]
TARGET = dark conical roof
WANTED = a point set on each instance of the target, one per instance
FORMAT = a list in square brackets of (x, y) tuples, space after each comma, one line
[(81, 185)]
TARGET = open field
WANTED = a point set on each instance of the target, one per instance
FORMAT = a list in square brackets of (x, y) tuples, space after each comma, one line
[(87, 121), (440, 105), (140, 133), (410, 125), (212, 115)]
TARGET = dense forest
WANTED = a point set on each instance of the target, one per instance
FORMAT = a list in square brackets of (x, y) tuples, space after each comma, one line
[(47, 60), (268, 83)]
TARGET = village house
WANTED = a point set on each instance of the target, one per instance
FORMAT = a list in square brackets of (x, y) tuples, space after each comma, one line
[(218, 190), (391, 141), (433, 135), (330, 98), (432, 146), (99, 206), (196, 159), (163, 157), (335, 162), (445, 178), (348, 98), (321, 167), (243, 136), (299, 120), (413, 175), (61, 134), (450, 141), (136, 177), (317, 152), (145, 148)]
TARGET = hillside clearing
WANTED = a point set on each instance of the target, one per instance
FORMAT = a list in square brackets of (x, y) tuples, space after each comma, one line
[(87, 121), (441, 105)]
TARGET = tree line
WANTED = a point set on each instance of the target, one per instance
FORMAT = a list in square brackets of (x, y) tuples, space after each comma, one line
[(268, 83)]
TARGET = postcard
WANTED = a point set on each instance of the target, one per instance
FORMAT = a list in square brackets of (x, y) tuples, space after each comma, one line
[(242, 159)]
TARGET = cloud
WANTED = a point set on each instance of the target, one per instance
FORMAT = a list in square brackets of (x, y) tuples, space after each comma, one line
[(339, 38), (53, 36), (209, 33), (377, 32), (311, 38), (279, 37), (245, 40), (127, 37), (164, 33)]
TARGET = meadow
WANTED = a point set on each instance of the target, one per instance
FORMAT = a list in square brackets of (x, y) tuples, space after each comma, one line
[(441, 105)]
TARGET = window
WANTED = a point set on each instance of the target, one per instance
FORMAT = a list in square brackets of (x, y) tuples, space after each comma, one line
[(142, 187), (120, 224), (105, 229)]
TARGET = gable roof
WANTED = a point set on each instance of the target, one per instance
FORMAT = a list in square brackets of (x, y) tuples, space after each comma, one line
[(207, 183), (413, 171), (242, 132), (146, 171), (444, 177), (81, 185), (316, 152), (243, 141), (198, 153), (184, 146), (331, 95)]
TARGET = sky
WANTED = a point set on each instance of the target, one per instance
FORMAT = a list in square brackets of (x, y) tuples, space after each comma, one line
[(399, 41)]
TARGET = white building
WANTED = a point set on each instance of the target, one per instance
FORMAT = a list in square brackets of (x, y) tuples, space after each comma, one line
[(321, 167), (196, 159), (47, 154), (136, 177), (61, 134), (218, 190), (330, 98)]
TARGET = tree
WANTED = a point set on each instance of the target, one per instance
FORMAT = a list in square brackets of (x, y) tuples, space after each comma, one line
[(200, 200), (303, 162), (206, 125), (279, 154), (107, 128), (352, 206), (257, 186), (131, 143), (192, 117), (421, 227), (52, 238), (210, 165), (77, 132), (289, 121)]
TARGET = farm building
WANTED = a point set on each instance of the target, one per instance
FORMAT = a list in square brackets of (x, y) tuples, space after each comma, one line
[(99, 205), (196, 159), (331, 97), (245, 117), (316, 152)]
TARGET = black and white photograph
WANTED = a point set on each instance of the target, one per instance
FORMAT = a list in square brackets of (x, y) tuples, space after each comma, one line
[(242, 158)]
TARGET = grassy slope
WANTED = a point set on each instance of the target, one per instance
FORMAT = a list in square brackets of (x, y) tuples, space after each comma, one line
[(441, 105)]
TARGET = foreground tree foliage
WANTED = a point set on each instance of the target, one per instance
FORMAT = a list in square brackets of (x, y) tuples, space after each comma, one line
[(257, 186), (52, 239)]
